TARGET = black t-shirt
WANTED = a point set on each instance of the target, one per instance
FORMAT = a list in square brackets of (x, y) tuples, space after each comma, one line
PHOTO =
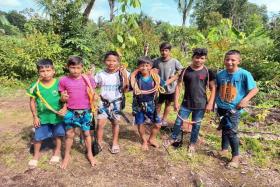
[(195, 87)]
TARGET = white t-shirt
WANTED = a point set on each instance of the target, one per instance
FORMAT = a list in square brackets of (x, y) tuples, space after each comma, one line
[(109, 84)]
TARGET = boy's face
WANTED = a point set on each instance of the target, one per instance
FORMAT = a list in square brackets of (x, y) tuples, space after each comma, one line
[(75, 70), (145, 68), (46, 73), (112, 62), (231, 62), (165, 53), (198, 61)]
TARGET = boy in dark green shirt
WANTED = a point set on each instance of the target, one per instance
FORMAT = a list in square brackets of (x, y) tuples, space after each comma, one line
[(47, 111)]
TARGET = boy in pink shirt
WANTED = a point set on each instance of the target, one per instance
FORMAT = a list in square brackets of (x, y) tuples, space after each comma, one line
[(74, 89)]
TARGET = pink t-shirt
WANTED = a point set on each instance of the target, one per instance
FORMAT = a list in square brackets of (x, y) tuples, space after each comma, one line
[(77, 91)]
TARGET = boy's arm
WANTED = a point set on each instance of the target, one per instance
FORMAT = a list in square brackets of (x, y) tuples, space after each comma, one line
[(245, 101), (176, 96), (172, 79), (210, 104), (63, 110), (36, 120)]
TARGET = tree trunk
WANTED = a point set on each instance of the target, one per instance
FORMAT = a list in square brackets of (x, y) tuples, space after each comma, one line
[(88, 10), (112, 7)]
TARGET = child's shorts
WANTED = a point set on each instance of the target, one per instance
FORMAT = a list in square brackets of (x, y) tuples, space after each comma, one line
[(48, 131), (110, 110), (146, 110), (78, 118)]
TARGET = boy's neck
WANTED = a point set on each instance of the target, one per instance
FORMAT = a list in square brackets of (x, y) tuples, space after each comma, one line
[(145, 74), (74, 77), (196, 68), (166, 59), (233, 70), (47, 82), (111, 71)]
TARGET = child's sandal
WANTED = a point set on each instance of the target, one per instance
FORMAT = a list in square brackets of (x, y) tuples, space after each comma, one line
[(33, 164), (115, 149), (55, 159)]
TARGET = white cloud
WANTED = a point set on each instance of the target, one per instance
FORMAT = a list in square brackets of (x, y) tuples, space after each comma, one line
[(272, 6), (10, 3)]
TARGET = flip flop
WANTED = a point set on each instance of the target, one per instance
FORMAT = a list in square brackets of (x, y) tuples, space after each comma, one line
[(115, 149), (33, 164), (168, 142), (233, 165), (54, 159)]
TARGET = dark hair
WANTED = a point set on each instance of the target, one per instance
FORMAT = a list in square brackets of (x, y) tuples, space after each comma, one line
[(144, 60), (114, 53), (74, 60), (165, 45), (199, 52), (233, 52), (45, 62)]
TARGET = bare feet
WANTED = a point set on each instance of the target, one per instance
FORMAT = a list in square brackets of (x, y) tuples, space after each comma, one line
[(145, 146), (153, 143), (91, 160), (65, 162), (191, 149)]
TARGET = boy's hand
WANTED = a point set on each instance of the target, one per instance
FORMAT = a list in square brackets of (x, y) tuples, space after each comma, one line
[(155, 70), (243, 103), (176, 106), (62, 111), (36, 122), (209, 107), (64, 96)]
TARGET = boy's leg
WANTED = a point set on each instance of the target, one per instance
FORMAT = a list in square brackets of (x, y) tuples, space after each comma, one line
[(184, 114), (100, 130), (197, 116), (234, 144), (37, 147), (115, 130), (58, 133), (68, 144), (152, 139), (166, 111), (142, 130), (88, 142)]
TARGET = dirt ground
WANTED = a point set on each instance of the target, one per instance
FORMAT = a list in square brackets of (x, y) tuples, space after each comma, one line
[(131, 167)]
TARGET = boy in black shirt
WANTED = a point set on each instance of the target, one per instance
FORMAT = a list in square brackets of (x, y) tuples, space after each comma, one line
[(196, 79)]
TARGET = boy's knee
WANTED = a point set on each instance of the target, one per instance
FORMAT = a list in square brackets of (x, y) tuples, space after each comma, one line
[(70, 134), (86, 133)]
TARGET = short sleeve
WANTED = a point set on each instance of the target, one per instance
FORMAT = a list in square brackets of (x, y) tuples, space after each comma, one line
[(98, 79), (92, 82), (31, 90), (178, 65), (212, 75), (61, 85), (250, 82)]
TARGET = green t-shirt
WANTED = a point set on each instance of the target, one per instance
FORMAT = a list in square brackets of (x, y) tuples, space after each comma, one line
[(51, 95)]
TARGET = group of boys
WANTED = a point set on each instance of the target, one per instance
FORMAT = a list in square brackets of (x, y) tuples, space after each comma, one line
[(60, 106)]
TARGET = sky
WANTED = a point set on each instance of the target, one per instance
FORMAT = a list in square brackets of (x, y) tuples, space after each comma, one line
[(164, 10)]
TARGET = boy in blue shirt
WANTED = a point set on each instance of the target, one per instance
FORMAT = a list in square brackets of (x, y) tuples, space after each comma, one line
[(146, 84), (235, 88)]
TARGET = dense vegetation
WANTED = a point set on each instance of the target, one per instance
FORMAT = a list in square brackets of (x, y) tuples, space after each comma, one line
[(218, 25)]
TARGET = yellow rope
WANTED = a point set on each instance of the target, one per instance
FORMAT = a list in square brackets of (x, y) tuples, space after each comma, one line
[(157, 87), (48, 106)]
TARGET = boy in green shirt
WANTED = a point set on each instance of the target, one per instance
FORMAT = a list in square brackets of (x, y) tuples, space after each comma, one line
[(47, 111)]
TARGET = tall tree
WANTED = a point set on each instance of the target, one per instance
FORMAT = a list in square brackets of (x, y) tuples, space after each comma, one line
[(112, 9), (88, 10), (185, 6)]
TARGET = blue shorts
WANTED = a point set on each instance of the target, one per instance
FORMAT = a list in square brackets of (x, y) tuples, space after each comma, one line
[(48, 131), (149, 111), (78, 118)]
